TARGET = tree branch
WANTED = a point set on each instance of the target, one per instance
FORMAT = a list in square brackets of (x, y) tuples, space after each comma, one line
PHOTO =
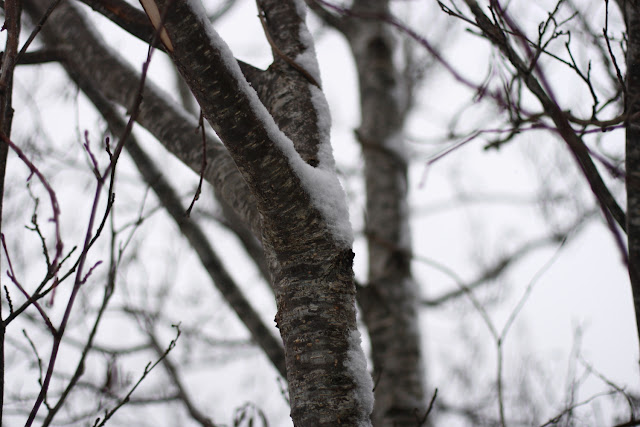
[(496, 35), (88, 57), (194, 234)]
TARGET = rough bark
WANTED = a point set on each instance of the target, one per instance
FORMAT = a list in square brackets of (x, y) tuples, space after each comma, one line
[(388, 303), (87, 55), (311, 271), (632, 162)]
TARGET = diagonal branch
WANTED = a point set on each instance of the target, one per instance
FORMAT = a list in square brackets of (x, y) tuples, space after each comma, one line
[(127, 17), (135, 22), (496, 35), (173, 373), (194, 234), (89, 57), (275, 163)]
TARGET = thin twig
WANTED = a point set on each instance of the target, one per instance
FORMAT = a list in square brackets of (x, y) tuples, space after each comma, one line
[(37, 29), (204, 163), (90, 237), (150, 366)]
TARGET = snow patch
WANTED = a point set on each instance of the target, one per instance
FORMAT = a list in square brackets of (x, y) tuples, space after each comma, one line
[(356, 364), (321, 183), (308, 59)]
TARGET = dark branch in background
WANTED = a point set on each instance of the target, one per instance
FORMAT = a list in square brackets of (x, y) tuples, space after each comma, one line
[(497, 36), (14, 279), (629, 398), (136, 22), (334, 20), (55, 207), (100, 422), (37, 28), (41, 56), (423, 419), (127, 17), (88, 345), (399, 25), (568, 411), (499, 267), (605, 54), (194, 234), (174, 375), (90, 236), (605, 32), (196, 196), (88, 57), (251, 244)]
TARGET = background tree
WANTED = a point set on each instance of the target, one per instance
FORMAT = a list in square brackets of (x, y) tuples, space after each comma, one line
[(277, 194)]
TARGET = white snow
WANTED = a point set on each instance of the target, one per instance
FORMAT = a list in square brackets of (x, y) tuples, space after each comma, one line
[(321, 182), (356, 364), (308, 59)]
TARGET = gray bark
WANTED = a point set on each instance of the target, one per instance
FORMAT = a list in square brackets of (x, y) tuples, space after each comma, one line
[(389, 302), (311, 272)]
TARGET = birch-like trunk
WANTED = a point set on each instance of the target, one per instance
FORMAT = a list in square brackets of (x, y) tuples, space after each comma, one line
[(261, 178), (389, 303)]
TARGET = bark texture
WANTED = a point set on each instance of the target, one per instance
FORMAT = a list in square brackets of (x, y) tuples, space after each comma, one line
[(311, 270), (389, 302), (87, 56), (632, 162), (311, 273)]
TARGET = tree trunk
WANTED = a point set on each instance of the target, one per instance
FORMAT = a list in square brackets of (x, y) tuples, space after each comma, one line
[(632, 162), (288, 193), (389, 303)]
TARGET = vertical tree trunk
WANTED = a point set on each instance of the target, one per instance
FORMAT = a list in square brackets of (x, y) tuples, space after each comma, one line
[(280, 144), (632, 18), (389, 303)]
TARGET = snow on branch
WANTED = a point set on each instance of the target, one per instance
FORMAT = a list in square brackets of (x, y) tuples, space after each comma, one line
[(247, 129)]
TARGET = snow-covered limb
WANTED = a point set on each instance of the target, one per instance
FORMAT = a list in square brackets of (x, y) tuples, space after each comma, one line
[(269, 160), (277, 132)]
